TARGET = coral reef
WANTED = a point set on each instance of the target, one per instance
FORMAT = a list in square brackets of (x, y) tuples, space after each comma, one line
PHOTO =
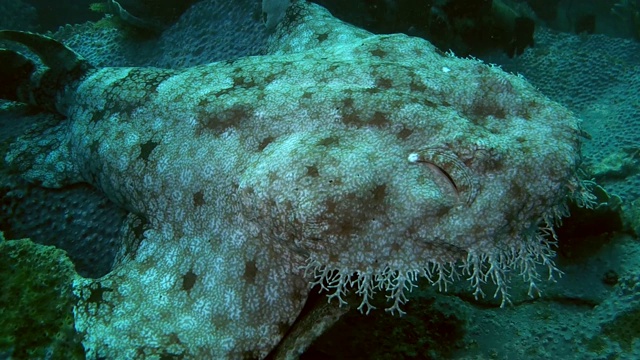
[(598, 77), (210, 30), (36, 302)]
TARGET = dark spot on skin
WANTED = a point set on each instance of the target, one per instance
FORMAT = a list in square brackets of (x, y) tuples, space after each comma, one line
[(384, 83), (95, 144), (243, 82), (222, 92), (217, 122), (250, 272), (179, 98), (96, 294), (438, 127), (379, 119), (442, 211), (521, 139), (189, 280), (312, 171), (351, 119), (517, 191), (532, 107), (397, 103), (265, 142), (307, 95), (346, 227), (146, 149), (379, 193), (404, 133), (484, 107), (378, 53), (287, 64), (395, 247), (272, 176), (97, 116), (322, 37), (329, 141), (330, 205), (249, 191), (120, 135), (417, 86), (479, 230), (418, 52), (348, 102), (174, 339), (430, 103), (198, 199), (269, 78)]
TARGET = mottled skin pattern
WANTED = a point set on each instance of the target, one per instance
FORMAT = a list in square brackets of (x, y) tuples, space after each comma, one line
[(340, 153)]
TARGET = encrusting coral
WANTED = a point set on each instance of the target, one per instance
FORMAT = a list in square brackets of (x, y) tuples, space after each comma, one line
[(36, 302), (353, 161)]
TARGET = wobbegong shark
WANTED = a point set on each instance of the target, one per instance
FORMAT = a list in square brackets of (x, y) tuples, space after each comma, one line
[(351, 161)]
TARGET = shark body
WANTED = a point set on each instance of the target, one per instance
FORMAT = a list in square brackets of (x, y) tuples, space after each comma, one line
[(341, 158)]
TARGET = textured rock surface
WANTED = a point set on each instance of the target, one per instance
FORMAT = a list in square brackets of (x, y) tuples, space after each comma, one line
[(598, 77), (210, 30), (340, 153), (37, 302)]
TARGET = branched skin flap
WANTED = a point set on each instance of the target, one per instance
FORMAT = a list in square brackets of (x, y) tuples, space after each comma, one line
[(341, 153)]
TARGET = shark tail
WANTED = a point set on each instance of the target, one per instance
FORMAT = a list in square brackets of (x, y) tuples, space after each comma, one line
[(23, 82)]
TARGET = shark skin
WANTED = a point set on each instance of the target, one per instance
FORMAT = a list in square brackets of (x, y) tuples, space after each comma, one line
[(355, 161)]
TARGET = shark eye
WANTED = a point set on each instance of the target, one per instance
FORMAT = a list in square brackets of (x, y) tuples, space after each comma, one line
[(444, 174), (451, 169)]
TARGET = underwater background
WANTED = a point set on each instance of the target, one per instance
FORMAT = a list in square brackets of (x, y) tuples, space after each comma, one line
[(584, 55)]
